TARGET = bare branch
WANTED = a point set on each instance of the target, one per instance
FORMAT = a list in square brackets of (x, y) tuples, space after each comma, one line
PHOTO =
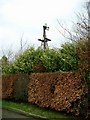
[(22, 45), (66, 32), (82, 29)]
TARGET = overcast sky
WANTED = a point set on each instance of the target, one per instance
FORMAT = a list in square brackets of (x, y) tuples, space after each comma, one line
[(27, 17)]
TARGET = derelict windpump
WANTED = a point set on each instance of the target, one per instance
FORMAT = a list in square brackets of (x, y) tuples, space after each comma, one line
[(44, 41)]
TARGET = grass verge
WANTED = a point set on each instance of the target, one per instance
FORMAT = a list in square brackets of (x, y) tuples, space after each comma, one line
[(34, 109), (0, 103)]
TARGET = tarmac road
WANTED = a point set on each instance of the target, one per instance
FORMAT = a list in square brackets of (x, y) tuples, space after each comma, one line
[(11, 114)]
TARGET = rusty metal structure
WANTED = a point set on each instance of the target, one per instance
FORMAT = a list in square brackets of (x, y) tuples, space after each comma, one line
[(44, 41)]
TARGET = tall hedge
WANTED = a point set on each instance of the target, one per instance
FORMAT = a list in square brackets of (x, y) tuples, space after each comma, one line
[(62, 91), (15, 87), (7, 85), (59, 91)]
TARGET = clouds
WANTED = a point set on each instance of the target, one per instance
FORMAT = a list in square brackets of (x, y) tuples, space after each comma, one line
[(24, 12), (31, 11), (28, 17)]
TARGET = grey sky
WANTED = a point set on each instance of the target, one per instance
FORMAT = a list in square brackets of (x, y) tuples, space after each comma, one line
[(27, 17)]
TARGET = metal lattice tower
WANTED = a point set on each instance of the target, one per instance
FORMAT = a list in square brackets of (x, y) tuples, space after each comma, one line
[(44, 41)]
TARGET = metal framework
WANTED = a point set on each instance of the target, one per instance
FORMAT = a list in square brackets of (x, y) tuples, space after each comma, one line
[(44, 41)]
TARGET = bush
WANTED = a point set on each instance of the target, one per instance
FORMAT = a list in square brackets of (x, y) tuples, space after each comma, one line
[(83, 50), (63, 59), (68, 57)]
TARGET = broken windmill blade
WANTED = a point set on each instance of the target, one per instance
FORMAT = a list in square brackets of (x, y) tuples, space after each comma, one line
[(44, 41)]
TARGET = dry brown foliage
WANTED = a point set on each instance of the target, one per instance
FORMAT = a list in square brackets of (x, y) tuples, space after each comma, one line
[(55, 90), (7, 85)]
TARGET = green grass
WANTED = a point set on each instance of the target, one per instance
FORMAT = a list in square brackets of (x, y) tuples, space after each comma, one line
[(0, 103), (34, 109)]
